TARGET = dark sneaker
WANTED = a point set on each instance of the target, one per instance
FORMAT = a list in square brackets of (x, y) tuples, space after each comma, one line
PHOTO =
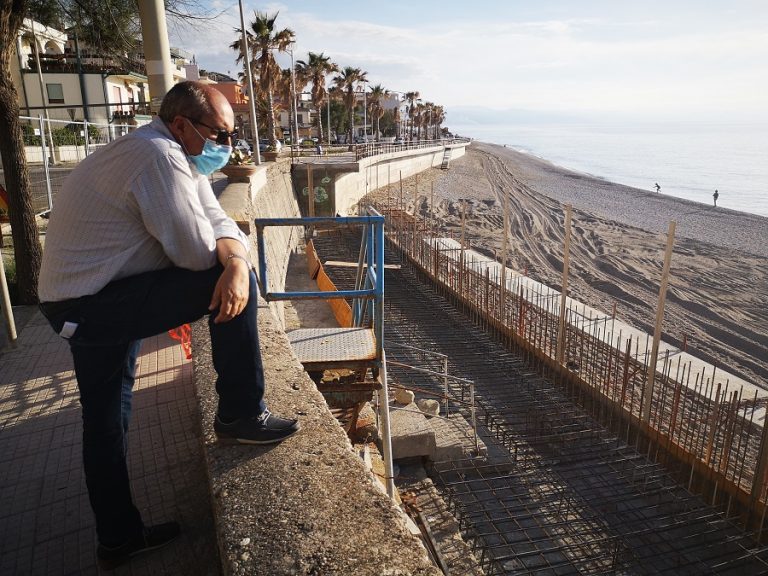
[(267, 428), (151, 538)]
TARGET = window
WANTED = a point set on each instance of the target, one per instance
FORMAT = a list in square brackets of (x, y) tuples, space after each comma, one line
[(55, 93)]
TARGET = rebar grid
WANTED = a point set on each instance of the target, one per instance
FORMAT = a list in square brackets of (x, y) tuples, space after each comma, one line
[(558, 493), (720, 438)]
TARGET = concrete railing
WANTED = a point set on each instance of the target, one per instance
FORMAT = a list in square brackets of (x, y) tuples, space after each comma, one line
[(307, 505)]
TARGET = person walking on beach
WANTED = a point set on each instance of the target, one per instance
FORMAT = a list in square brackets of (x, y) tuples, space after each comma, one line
[(138, 245), (658, 188), (716, 195)]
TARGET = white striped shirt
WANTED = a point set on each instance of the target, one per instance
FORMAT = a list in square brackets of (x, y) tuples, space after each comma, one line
[(136, 205)]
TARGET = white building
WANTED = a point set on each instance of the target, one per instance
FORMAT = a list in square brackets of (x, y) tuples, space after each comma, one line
[(75, 84)]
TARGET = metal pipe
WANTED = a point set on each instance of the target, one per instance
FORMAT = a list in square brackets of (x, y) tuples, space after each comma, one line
[(10, 323), (386, 435), (46, 166)]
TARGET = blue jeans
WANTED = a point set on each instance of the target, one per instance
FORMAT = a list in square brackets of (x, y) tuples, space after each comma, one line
[(104, 348)]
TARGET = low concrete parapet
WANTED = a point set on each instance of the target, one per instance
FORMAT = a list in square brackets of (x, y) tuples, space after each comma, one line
[(308, 505)]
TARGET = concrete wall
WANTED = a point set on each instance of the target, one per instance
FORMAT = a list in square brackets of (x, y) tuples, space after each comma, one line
[(307, 505), (377, 171)]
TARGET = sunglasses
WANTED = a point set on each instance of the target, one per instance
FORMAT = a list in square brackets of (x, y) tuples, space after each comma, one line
[(222, 136)]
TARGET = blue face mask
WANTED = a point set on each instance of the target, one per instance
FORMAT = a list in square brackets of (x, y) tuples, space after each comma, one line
[(212, 157)]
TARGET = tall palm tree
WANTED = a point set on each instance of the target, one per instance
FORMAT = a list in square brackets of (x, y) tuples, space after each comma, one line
[(438, 117), (419, 116), (314, 70), (429, 110), (283, 97), (262, 40), (346, 81), (411, 98), (335, 96), (375, 106)]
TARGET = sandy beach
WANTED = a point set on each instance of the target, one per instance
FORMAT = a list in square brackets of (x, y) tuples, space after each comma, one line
[(718, 285)]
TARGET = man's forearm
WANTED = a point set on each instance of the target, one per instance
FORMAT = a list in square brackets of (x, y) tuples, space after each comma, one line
[(230, 248)]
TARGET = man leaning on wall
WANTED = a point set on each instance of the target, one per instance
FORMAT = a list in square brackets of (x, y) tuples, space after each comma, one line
[(138, 245)]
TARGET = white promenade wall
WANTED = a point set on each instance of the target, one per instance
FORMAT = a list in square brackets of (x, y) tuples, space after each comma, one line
[(384, 169)]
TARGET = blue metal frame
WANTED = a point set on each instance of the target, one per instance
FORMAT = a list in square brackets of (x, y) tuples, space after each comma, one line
[(368, 295)]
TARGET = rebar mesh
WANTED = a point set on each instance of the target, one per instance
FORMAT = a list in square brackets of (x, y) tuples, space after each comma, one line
[(557, 492)]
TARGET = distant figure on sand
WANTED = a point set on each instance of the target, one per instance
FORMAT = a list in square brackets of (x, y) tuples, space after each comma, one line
[(716, 195), (658, 188)]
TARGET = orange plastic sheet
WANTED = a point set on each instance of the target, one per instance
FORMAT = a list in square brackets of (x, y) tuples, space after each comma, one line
[(184, 335), (341, 310), (313, 262)]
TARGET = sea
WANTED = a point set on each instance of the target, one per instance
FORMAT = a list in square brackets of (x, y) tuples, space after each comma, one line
[(687, 159)]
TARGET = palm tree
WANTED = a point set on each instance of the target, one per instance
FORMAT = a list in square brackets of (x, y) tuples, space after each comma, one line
[(438, 117), (346, 81), (336, 101), (262, 40), (283, 97), (411, 97), (419, 117), (314, 70), (375, 96), (428, 114)]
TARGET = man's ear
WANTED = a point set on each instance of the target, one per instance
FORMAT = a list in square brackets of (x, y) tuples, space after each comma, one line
[(178, 127)]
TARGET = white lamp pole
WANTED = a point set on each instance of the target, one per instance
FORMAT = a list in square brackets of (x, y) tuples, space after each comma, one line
[(328, 96), (251, 90), (365, 112), (294, 139)]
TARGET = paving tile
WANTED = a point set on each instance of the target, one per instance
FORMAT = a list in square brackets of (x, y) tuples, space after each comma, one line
[(46, 525)]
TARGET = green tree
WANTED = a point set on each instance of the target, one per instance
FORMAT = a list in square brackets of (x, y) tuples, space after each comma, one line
[(262, 40), (438, 117), (388, 123), (339, 118), (314, 70), (375, 105), (411, 98), (26, 242), (346, 81)]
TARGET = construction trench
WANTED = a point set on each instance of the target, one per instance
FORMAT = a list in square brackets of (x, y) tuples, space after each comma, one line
[(556, 491)]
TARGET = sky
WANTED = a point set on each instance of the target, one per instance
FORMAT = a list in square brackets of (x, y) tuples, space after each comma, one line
[(672, 59)]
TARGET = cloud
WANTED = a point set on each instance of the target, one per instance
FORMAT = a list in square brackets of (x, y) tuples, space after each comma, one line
[(592, 62)]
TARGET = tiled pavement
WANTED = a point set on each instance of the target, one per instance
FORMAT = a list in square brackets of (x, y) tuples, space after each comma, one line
[(46, 525)]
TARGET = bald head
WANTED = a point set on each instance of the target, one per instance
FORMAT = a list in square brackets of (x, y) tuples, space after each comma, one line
[(197, 101), (195, 112)]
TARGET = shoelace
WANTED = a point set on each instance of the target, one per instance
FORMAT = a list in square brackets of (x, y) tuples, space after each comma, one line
[(263, 417)]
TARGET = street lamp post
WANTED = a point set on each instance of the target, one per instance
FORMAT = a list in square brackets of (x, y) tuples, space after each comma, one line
[(294, 139), (251, 91), (365, 112), (328, 97)]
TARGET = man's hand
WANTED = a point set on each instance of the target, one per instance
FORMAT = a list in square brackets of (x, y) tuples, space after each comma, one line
[(231, 292)]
